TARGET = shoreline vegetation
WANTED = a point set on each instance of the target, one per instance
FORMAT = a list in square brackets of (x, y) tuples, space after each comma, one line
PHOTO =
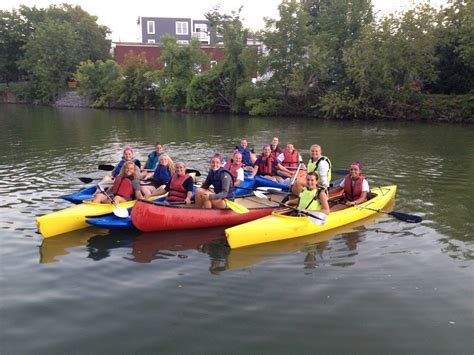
[(322, 58)]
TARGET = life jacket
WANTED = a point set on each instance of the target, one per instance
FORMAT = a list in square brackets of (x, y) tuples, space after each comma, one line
[(352, 193), (118, 167), (177, 192), (233, 168), (152, 161), (162, 173), (275, 152), (245, 155), (309, 199), (314, 165), (291, 159), (215, 180), (265, 167), (123, 187)]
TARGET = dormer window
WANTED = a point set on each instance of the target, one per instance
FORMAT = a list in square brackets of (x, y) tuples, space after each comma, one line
[(182, 28)]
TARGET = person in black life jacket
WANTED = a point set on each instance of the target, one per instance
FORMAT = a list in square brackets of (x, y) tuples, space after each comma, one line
[(267, 166), (314, 197), (126, 186), (222, 181), (179, 188), (160, 177), (356, 188)]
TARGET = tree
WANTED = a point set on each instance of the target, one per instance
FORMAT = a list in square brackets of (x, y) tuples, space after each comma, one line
[(181, 63), (96, 81)]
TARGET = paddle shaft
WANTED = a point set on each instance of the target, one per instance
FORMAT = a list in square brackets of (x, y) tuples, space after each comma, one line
[(398, 215), (296, 209)]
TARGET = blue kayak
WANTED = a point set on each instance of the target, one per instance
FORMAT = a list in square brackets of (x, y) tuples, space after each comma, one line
[(264, 182), (84, 194), (111, 221)]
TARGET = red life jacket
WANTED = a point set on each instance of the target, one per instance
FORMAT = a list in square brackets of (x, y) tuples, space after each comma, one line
[(265, 167), (276, 152), (291, 159), (233, 168), (123, 187), (177, 192), (352, 193)]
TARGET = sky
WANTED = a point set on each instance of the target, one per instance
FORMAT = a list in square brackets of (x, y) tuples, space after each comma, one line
[(121, 16)]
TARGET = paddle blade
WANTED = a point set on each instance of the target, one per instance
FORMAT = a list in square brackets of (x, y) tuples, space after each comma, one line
[(409, 218), (341, 172), (196, 172), (121, 212), (260, 194), (106, 167), (236, 207), (317, 218), (85, 180)]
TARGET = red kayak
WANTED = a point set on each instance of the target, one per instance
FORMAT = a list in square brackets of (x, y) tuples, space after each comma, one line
[(150, 216)]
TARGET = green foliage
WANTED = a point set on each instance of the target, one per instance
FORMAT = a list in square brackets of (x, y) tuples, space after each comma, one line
[(13, 36), (343, 105), (96, 81), (181, 63), (135, 88), (202, 93), (261, 107)]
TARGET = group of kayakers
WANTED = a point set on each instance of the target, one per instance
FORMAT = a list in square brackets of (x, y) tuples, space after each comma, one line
[(309, 183)]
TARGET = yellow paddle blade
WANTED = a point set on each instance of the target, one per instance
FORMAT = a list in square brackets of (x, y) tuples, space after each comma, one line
[(236, 207)]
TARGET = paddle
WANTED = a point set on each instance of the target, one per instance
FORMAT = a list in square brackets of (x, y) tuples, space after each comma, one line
[(341, 172), (236, 207), (409, 218), (88, 180), (121, 212), (318, 218), (106, 167)]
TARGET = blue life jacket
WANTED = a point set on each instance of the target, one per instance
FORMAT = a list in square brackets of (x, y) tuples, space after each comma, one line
[(245, 155), (118, 167), (215, 180), (152, 161), (162, 173)]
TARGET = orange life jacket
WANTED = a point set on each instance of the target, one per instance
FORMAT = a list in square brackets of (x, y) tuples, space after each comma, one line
[(291, 159), (123, 187), (177, 192), (352, 193)]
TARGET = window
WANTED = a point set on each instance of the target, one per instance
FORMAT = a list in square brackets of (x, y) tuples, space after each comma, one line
[(182, 28), (200, 27), (151, 41), (182, 41), (150, 25)]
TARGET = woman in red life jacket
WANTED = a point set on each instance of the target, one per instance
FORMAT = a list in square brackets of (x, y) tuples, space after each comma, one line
[(275, 148), (179, 188), (268, 166), (127, 155), (235, 166), (126, 186), (290, 159), (355, 188)]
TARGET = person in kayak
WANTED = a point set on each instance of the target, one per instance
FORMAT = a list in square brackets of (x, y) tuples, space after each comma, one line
[(248, 156), (160, 177), (314, 197), (127, 156), (289, 158), (319, 164), (126, 186), (154, 157), (180, 186), (222, 181), (235, 166), (275, 148), (267, 166), (356, 188)]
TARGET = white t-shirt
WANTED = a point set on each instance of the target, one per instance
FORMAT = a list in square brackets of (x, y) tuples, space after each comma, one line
[(365, 185), (323, 169), (281, 157), (240, 174)]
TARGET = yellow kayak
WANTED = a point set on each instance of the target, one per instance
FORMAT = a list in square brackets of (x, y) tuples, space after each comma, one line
[(279, 226)]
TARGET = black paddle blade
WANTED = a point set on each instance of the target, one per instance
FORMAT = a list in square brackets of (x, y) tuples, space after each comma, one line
[(406, 217), (341, 172), (196, 172), (85, 180), (106, 167)]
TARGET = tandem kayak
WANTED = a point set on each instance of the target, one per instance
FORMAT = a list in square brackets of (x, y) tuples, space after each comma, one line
[(279, 226), (74, 217), (150, 216), (81, 195)]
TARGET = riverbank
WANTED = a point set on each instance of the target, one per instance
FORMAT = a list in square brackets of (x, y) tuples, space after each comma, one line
[(431, 108)]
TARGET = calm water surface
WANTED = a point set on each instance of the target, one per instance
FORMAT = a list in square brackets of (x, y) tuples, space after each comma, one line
[(383, 286)]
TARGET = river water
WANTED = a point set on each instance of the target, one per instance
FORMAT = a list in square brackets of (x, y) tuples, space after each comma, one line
[(383, 286)]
